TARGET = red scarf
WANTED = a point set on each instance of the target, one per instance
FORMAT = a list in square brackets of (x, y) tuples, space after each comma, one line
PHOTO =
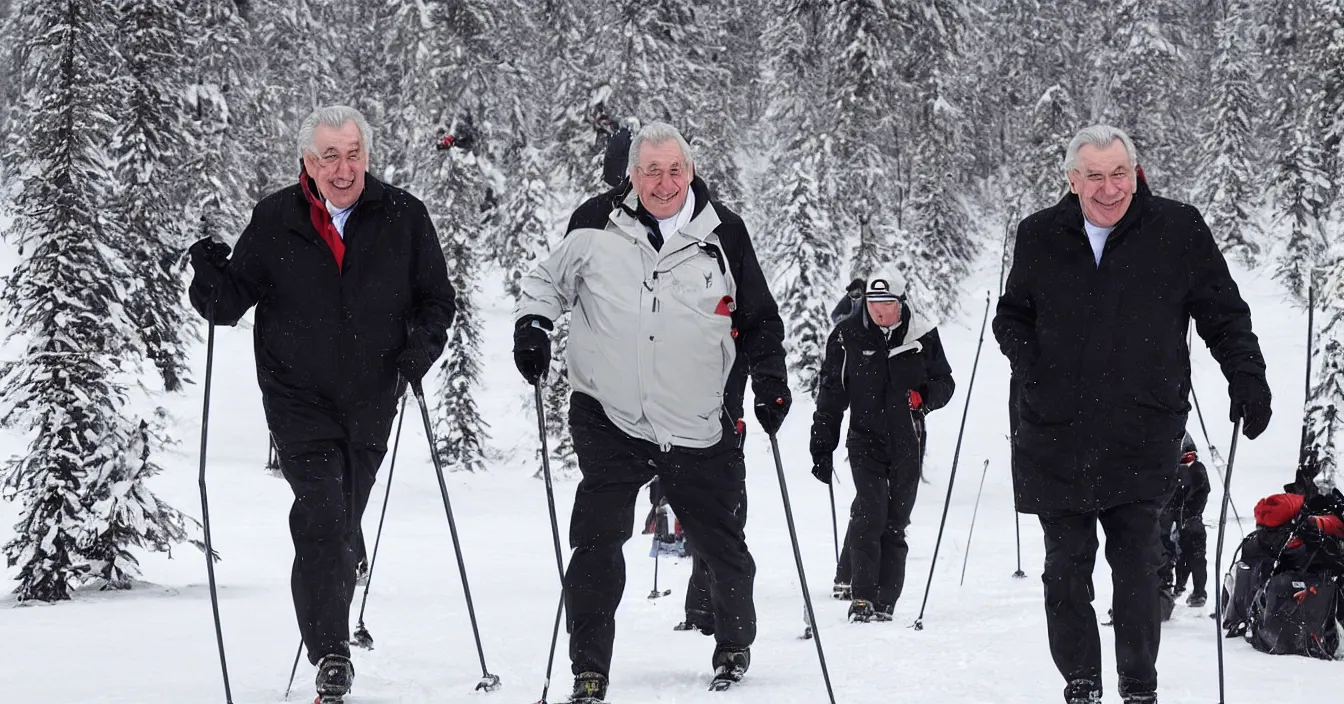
[(326, 229)]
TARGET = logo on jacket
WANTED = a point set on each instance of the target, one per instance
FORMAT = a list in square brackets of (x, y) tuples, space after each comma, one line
[(869, 353), (709, 280)]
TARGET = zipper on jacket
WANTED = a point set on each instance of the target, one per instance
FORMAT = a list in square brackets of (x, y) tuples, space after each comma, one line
[(655, 290)]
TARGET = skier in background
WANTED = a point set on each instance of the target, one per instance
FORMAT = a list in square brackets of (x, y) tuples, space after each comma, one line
[(886, 365), (851, 303), (1183, 534)]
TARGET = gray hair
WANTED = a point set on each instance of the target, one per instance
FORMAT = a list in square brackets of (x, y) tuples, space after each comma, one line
[(658, 133), (1099, 136), (333, 116)]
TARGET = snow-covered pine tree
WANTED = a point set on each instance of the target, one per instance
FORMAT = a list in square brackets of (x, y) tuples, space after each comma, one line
[(1325, 406), (522, 218), (865, 185), (1054, 122), (1300, 186), (219, 111), (1228, 190), (804, 259), (935, 247), (294, 49), (121, 512), (555, 401), (1140, 71), (67, 299), (147, 146)]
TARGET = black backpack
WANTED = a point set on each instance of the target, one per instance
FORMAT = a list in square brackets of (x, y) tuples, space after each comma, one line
[(1297, 613)]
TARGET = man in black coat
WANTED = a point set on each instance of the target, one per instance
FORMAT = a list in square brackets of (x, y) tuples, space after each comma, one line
[(353, 301), (1183, 535), (1093, 320), (886, 364)]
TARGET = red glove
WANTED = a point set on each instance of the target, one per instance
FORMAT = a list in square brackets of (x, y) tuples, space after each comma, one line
[(916, 401)]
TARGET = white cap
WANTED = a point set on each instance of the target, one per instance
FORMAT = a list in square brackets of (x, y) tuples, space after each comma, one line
[(886, 285)]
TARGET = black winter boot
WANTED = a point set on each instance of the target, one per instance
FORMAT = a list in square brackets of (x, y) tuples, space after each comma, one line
[(589, 688), (335, 675), (1082, 692), (861, 611), (730, 664)]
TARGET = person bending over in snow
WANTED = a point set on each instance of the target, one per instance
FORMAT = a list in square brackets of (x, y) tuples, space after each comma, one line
[(1093, 320), (353, 301), (1183, 534), (665, 289), (886, 364)]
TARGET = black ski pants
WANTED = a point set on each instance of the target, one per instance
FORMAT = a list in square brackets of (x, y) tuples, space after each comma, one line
[(704, 487), (843, 569), (1186, 545), (699, 605), (331, 481), (875, 540), (1134, 551)]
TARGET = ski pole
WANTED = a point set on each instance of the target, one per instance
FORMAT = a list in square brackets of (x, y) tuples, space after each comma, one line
[(952, 476), (1215, 458), (1306, 396), (1017, 529), (205, 504), (835, 524), (1218, 557), (362, 638), (555, 535), (488, 681), (657, 552), (967, 555), (798, 558), (295, 669)]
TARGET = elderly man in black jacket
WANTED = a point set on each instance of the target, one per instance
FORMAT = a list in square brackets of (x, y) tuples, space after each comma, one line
[(886, 364), (1093, 320), (352, 292)]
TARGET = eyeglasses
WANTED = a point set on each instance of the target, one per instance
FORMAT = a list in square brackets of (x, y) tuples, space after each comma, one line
[(657, 173)]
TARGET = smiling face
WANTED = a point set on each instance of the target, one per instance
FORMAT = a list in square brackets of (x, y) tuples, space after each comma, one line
[(1104, 181), (337, 163), (662, 178)]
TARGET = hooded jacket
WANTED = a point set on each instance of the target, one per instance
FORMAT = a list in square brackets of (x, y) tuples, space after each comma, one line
[(871, 375)]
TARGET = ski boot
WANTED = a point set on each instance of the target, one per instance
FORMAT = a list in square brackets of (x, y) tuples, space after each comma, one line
[(1197, 599), (1082, 692), (335, 674), (883, 613), (730, 664), (841, 591), (861, 611), (1144, 698), (589, 688)]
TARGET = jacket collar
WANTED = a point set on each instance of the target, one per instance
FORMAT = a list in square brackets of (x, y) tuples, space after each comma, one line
[(296, 218), (631, 216), (1069, 212)]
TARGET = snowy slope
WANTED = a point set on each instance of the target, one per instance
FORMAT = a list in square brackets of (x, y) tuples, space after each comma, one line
[(983, 642)]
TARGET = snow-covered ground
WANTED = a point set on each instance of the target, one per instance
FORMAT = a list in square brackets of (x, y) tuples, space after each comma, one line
[(983, 642)]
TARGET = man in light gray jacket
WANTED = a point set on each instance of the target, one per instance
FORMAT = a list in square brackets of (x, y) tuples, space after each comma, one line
[(668, 305)]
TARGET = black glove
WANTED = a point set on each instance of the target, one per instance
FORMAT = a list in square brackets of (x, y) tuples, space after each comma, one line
[(413, 364), (208, 258), (823, 466), (1250, 398), (772, 403), (532, 347)]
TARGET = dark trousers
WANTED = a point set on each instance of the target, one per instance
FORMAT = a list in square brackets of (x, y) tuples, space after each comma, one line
[(884, 497), (331, 482), (1186, 544), (699, 606), (704, 487), (1133, 549), (843, 568)]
